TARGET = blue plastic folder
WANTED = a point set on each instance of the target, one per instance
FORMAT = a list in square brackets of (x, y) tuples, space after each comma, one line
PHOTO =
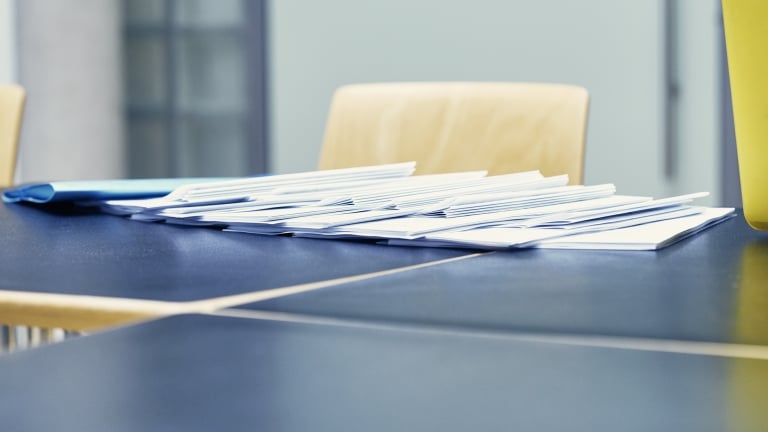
[(68, 191)]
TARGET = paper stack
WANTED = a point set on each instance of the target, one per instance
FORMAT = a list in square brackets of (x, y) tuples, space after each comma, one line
[(468, 209), (388, 204)]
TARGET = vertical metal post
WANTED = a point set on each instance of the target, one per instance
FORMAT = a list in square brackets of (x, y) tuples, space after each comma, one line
[(257, 121), (672, 88), (171, 105)]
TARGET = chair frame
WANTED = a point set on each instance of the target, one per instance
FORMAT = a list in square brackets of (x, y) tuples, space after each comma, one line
[(12, 102)]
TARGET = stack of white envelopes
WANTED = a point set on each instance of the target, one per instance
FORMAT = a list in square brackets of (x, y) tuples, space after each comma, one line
[(388, 204)]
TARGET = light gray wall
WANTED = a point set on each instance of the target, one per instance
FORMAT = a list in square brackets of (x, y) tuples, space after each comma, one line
[(69, 59), (613, 48), (69, 62), (8, 41), (699, 139)]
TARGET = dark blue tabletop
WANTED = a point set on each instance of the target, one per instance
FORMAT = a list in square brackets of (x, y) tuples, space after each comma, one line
[(202, 373), (710, 287), (63, 250)]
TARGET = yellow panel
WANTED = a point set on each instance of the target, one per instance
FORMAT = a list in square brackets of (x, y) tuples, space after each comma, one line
[(746, 37)]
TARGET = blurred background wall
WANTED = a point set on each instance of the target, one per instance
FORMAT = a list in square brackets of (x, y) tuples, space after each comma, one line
[(69, 61), (7, 41), (151, 88)]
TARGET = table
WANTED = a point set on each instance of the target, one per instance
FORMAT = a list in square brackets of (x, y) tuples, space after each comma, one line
[(203, 373), (67, 266), (274, 333), (712, 287)]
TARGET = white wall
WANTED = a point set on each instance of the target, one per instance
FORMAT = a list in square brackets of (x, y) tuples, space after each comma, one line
[(614, 48), (700, 122), (8, 41), (70, 64), (73, 127)]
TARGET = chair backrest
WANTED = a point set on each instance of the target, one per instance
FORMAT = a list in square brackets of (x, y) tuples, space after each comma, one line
[(11, 112), (459, 126)]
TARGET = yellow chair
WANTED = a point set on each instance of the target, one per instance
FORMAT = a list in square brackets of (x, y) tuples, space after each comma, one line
[(459, 126), (11, 112)]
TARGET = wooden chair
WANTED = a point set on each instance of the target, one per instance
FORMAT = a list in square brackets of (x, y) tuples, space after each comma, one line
[(459, 126), (12, 99)]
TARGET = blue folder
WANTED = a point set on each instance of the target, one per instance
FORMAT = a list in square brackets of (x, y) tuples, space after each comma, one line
[(62, 191)]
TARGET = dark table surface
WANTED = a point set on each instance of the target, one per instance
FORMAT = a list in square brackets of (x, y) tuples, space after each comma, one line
[(710, 287), (204, 373), (73, 251)]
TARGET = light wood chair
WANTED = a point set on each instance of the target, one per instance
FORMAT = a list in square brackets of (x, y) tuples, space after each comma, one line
[(459, 126), (12, 99)]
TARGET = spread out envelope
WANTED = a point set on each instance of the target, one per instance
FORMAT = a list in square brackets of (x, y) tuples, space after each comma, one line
[(480, 204), (639, 233), (417, 225), (650, 236), (243, 189)]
